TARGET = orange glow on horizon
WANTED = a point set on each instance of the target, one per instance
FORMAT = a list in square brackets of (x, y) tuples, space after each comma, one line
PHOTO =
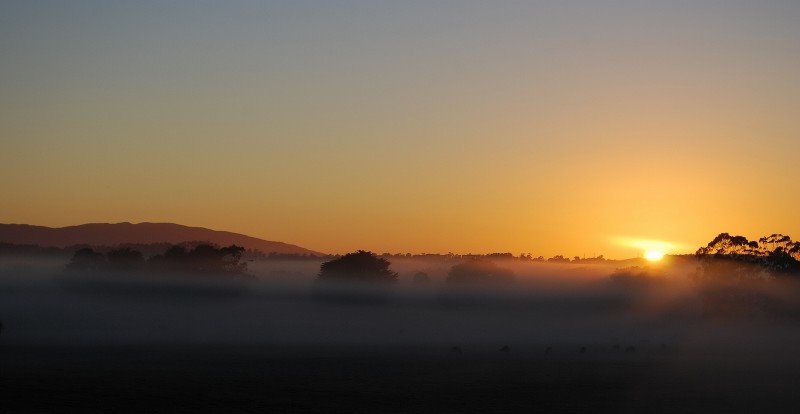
[(653, 255), (390, 130)]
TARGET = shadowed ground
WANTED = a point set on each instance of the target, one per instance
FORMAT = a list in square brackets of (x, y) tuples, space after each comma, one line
[(314, 379)]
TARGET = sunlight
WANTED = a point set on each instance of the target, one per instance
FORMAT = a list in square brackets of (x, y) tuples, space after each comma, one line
[(651, 249), (653, 255)]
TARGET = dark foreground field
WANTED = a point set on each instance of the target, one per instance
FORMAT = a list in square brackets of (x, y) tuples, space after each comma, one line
[(305, 379), (115, 344)]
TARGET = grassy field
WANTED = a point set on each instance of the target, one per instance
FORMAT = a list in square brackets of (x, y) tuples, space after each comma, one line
[(363, 379), (150, 346)]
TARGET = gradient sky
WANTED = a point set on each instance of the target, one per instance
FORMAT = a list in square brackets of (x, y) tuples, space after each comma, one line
[(558, 127)]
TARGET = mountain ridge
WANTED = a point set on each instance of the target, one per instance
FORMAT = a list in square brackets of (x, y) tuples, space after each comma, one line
[(108, 234)]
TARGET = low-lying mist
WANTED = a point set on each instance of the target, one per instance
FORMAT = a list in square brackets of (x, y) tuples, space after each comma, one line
[(668, 305)]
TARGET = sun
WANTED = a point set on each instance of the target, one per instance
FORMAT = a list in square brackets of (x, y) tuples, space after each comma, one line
[(653, 255), (651, 249)]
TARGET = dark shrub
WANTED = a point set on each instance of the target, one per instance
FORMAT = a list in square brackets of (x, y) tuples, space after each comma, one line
[(203, 259), (125, 259), (479, 271), (87, 260), (361, 266)]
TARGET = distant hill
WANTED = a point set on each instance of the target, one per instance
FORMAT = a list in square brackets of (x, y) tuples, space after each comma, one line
[(108, 234)]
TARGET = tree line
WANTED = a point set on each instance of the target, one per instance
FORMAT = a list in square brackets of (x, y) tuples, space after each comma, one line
[(737, 277), (525, 257), (364, 266), (201, 259), (147, 250), (776, 253)]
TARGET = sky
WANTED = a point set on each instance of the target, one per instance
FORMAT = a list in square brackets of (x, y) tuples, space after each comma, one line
[(551, 127)]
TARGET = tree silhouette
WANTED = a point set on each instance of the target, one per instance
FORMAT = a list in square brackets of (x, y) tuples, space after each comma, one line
[(87, 259), (794, 250), (776, 241), (558, 259), (232, 259), (732, 271), (479, 271), (361, 266), (776, 253), (204, 258), (125, 259), (176, 253), (725, 244)]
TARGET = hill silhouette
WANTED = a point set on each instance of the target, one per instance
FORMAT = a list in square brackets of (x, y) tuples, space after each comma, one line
[(110, 234)]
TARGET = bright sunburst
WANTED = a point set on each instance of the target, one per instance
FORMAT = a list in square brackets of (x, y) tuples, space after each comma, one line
[(653, 255)]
